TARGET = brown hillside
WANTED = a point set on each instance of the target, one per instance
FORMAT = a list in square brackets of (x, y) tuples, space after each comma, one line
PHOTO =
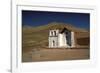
[(33, 37)]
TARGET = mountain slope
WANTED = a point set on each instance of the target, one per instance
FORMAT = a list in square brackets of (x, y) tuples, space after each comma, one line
[(33, 37)]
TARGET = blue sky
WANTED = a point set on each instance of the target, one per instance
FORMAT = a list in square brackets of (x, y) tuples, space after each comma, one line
[(39, 18)]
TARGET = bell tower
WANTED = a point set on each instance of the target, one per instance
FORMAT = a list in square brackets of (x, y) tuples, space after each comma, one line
[(53, 38)]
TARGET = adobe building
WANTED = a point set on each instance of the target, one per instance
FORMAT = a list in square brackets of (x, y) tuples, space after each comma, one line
[(67, 38)]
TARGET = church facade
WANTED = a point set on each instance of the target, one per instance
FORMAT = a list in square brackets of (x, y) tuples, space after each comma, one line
[(61, 38)]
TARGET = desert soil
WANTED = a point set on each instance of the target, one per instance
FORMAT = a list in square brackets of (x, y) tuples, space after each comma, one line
[(55, 54)]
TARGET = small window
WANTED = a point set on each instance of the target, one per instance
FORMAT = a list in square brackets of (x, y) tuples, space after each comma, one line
[(51, 33), (55, 33)]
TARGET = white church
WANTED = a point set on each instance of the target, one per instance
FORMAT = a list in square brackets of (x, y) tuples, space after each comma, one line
[(61, 38)]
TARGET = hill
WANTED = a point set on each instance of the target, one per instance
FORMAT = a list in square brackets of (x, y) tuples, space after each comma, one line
[(33, 37)]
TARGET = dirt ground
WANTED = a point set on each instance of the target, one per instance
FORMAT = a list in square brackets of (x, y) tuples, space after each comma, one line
[(55, 54)]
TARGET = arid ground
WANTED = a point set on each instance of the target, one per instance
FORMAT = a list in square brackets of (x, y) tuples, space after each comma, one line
[(55, 54)]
